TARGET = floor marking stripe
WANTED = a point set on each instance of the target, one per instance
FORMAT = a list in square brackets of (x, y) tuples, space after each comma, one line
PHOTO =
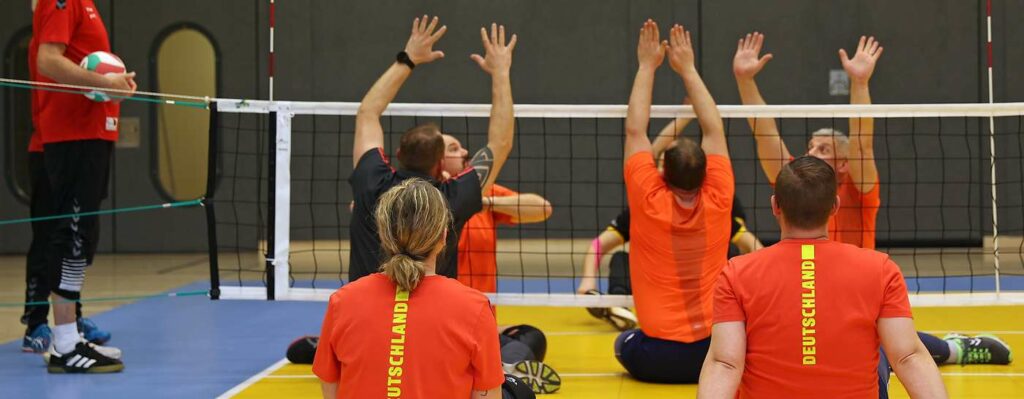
[(254, 379)]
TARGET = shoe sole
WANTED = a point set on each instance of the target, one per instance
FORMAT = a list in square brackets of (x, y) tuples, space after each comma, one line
[(541, 378), (618, 318), (113, 368)]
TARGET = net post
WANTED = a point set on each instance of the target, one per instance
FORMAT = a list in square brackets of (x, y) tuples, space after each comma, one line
[(992, 148), (269, 273), (211, 216), (278, 202)]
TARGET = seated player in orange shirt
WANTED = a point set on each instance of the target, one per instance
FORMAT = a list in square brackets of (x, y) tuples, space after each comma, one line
[(804, 318), (408, 332), (853, 159), (617, 234), (679, 222)]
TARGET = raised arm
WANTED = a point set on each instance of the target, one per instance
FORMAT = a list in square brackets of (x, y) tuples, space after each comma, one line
[(910, 359), (681, 58), (650, 52), (723, 366), (669, 133), (369, 132), (53, 64), (771, 150), (863, 170), (497, 62), (522, 208)]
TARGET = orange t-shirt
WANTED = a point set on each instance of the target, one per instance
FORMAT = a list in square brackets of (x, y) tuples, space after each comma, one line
[(854, 223), (478, 265), (677, 253), (811, 309), (438, 341)]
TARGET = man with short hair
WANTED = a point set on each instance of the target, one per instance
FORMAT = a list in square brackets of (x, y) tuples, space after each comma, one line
[(804, 318), (680, 222), (78, 138), (852, 157), (421, 149)]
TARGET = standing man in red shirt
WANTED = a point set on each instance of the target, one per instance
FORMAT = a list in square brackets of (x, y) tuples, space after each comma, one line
[(38, 335), (680, 222), (804, 318), (78, 137)]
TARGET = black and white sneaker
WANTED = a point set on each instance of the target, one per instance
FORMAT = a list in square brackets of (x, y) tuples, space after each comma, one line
[(621, 318), (84, 359), (539, 376), (108, 351)]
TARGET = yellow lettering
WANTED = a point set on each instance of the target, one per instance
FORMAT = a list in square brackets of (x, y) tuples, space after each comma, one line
[(396, 360), (808, 322), (808, 303), (399, 329), (397, 350), (395, 371), (808, 312), (807, 252), (807, 265), (401, 295), (809, 341), (807, 331), (394, 392), (810, 360), (399, 318), (401, 307), (809, 350), (808, 277)]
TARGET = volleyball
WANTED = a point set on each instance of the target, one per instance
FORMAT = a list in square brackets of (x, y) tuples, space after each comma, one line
[(102, 63)]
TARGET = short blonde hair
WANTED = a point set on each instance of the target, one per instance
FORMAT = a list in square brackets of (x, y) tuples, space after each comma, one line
[(412, 218)]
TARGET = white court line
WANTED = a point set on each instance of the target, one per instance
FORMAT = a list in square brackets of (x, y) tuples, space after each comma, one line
[(969, 332), (252, 380), (599, 375)]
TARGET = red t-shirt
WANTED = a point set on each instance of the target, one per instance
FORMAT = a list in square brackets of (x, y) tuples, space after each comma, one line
[(855, 221), (478, 264), (440, 341), (677, 253), (811, 309), (67, 116)]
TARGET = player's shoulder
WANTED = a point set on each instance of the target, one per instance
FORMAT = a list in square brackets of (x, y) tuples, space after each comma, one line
[(459, 291), (361, 287), (853, 253)]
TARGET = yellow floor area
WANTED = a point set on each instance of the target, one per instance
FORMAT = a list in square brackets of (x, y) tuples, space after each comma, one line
[(580, 348)]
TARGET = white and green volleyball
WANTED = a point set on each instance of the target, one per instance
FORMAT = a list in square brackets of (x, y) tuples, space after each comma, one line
[(103, 63)]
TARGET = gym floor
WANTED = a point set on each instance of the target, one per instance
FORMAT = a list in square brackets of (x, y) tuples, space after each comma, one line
[(194, 347)]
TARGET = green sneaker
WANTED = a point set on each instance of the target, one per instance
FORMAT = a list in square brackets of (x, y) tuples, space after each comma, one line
[(980, 349)]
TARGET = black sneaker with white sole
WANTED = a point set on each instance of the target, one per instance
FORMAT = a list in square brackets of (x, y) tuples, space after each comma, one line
[(84, 359), (621, 318), (540, 377)]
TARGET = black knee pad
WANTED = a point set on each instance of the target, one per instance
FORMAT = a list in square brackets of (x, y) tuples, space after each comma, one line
[(530, 336), (514, 388), (69, 295), (618, 274)]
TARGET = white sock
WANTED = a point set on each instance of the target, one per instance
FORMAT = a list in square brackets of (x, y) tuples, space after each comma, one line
[(65, 337), (954, 352)]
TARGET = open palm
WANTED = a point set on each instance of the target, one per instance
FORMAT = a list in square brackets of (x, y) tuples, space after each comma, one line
[(862, 65), (747, 63)]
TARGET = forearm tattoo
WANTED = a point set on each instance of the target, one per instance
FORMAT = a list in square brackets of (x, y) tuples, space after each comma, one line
[(481, 163)]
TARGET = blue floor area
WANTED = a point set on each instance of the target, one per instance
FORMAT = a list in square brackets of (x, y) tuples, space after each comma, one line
[(187, 347)]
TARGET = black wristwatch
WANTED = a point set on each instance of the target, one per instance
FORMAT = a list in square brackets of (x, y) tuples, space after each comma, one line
[(403, 57)]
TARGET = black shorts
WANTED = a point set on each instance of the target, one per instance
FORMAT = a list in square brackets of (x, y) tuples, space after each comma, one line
[(660, 361), (79, 175)]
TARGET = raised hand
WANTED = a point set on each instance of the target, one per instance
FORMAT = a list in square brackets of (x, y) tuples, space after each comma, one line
[(862, 65), (680, 51), (650, 51), (421, 41), (746, 63), (497, 55)]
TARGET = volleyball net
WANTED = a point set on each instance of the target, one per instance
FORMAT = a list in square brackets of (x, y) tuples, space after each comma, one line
[(951, 189)]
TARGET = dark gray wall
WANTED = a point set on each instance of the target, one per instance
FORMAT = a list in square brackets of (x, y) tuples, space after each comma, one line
[(583, 52)]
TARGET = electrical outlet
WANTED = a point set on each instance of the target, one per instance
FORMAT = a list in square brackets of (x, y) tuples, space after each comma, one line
[(130, 134)]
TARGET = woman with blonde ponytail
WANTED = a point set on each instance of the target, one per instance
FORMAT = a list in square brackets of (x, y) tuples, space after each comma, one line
[(406, 331)]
